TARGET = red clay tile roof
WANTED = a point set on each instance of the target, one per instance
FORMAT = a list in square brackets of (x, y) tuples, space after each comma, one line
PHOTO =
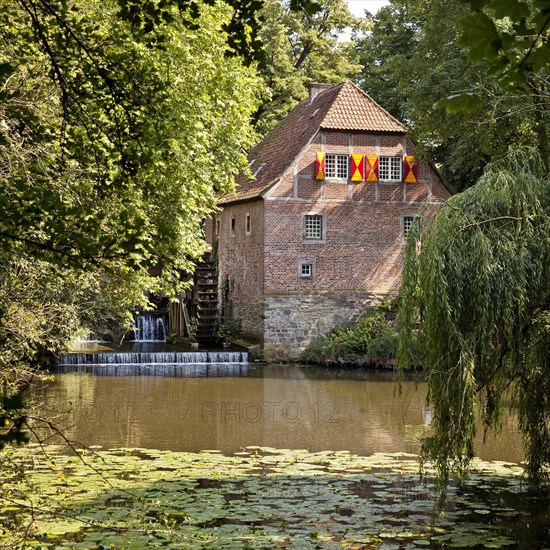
[(341, 107), (353, 109)]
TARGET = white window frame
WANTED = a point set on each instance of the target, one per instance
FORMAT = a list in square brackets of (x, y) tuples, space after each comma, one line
[(306, 269), (320, 220), (390, 168), (336, 166)]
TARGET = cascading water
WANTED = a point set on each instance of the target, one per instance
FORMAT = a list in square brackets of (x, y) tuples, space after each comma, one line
[(154, 358), (148, 353), (149, 327)]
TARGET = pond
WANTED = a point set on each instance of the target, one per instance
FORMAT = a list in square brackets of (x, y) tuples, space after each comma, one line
[(252, 456), (229, 407)]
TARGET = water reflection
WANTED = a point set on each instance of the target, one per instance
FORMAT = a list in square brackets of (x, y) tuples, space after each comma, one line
[(274, 406)]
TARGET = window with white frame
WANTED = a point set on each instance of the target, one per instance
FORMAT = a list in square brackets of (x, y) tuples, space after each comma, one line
[(306, 269), (390, 168), (313, 227), (336, 166)]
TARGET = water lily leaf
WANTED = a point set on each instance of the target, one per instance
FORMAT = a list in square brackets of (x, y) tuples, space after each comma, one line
[(61, 527)]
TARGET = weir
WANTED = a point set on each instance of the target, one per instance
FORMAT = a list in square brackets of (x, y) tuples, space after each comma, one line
[(154, 358)]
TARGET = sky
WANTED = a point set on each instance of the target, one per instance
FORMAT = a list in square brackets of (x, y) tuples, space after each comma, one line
[(358, 7)]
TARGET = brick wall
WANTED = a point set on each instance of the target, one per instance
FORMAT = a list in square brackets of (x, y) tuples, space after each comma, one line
[(362, 250), (240, 260), (358, 259), (361, 255)]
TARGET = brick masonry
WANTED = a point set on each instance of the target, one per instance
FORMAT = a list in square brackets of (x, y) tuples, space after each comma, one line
[(240, 262), (358, 260)]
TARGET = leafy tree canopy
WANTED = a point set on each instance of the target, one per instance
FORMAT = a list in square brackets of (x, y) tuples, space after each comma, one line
[(477, 295), (241, 29), (100, 132), (114, 140), (512, 35), (412, 63), (302, 47)]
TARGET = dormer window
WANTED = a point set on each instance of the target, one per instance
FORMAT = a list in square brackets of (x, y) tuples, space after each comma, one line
[(259, 169), (358, 167), (336, 166)]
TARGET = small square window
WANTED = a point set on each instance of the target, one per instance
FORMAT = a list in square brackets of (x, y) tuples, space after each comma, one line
[(313, 226), (306, 270), (408, 224), (248, 224), (336, 166), (390, 168)]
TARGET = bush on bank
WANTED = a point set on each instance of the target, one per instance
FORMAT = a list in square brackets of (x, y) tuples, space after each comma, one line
[(372, 341)]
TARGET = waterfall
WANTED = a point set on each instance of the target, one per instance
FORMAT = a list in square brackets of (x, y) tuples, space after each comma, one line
[(149, 327), (140, 358)]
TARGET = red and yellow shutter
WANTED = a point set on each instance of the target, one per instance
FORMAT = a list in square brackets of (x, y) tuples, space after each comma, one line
[(357, 167), (372, 167), (410, 170), (320, 166)]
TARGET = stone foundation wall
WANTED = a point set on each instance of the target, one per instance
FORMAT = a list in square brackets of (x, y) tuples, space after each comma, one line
[(294, 320)]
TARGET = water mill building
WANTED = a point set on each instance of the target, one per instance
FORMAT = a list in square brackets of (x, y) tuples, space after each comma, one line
[(318, 234)]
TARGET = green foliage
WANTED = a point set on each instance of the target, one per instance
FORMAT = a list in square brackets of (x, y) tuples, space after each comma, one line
[(103, 131), (468, 102), (145, 498), (512, 36), (476, 298), (370, 341), (228, 330), (241, 29), (192, 328), (302, 47), (481, 36), (413, 64)]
